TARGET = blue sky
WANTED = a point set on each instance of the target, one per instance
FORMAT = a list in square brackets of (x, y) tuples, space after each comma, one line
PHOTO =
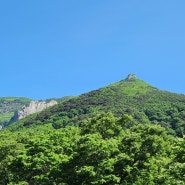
[(58, 48)]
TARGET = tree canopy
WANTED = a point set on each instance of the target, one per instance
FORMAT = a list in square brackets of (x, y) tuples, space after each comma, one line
[(103, 150)]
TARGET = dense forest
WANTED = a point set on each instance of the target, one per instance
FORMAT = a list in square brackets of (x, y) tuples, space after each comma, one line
[(103, 150), (128, 133)]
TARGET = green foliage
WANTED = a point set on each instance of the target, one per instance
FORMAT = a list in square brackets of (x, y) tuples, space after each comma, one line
[(8, 105), (106, 125), (5, 117), (123, 134), (103, 150), (134, 97)]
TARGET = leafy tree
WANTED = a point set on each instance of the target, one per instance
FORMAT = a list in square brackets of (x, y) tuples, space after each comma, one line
[(106, 124)]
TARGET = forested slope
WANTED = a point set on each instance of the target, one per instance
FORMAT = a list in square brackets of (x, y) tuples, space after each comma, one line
[(128, 133), (131, 96)]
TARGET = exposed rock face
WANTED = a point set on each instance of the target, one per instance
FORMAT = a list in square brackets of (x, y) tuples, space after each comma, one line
[(130, 77), (33, 107)]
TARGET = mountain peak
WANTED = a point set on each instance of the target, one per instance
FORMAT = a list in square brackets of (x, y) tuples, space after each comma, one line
[(131, 77)]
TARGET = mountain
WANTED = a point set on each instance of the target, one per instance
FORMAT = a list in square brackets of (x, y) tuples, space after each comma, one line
[(132, 96), (124, 133), (13, 109), (32, 107), (8, 105)]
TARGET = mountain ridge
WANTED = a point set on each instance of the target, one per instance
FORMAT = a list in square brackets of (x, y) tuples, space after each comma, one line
[(125, 133), (132, 96), (11, 107)]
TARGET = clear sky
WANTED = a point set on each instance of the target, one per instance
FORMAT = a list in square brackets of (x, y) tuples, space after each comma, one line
[(58, 48)]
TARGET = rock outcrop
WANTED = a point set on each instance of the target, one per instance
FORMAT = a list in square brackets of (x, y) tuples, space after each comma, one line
[(130, 77), (33, 107)]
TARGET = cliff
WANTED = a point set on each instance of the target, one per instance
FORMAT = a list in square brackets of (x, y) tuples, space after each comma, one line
[(32, 107)]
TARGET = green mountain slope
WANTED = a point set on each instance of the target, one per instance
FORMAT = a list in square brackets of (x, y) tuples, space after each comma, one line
[(130, 96), (109, 148), (8, 105)]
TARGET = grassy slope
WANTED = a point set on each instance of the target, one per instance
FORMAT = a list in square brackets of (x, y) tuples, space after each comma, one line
[(8, 105)]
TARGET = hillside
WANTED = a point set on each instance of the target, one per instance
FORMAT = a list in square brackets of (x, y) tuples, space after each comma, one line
[(8, 105), (132, 96), (122, 134), (31, 108)]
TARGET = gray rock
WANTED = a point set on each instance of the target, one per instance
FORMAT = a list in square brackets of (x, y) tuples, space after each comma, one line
[(33, 107), (130, 77)]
